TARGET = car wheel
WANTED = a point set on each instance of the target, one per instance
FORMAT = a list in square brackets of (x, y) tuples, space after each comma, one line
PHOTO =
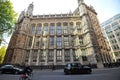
[(16, 72), (65, 73), (69, 72), (2, 72), (88, 71)]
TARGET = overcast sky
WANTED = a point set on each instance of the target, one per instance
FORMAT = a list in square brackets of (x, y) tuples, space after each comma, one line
[(105, 8)]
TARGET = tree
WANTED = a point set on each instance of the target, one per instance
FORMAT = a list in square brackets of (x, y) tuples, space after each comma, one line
[(7, 18), (0, 40), (2, 53)]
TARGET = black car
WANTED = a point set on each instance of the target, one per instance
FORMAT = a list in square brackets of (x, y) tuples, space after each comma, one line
[(10, 69), (71, 68)]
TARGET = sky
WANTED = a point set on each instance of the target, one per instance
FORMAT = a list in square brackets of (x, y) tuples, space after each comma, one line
[(105, 8)]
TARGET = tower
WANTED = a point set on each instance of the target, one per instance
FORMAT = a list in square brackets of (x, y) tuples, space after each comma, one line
[(29, 11), (80, 1), (88, 31)]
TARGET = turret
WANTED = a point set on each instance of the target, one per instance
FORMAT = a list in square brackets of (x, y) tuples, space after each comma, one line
[(21, 16), (86, 28), (80, 1), (82, 7), (29, 11)]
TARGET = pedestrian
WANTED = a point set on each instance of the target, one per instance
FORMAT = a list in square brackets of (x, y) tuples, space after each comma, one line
[(53, 66), (27, 70)]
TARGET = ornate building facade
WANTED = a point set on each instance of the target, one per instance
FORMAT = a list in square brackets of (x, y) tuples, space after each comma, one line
[(58, 38)]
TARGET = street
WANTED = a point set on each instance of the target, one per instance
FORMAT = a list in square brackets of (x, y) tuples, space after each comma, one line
[(97, 74)]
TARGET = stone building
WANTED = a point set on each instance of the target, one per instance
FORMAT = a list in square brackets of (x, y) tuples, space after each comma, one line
[(58, 38)]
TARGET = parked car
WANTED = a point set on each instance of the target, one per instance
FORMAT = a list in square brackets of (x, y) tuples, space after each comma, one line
[(10, 69), (71, 68)]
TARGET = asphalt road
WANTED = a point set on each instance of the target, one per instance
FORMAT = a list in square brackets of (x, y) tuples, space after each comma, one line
[(97, 74)]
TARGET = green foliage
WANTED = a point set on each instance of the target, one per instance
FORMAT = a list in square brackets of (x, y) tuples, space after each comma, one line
[(7, 17), (2, 53)]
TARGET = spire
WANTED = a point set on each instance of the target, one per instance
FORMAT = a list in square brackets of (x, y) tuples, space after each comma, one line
[(80, 1), (82, 7), (30, 9)]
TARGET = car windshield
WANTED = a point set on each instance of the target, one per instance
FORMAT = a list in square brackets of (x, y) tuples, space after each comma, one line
[(76, 64)]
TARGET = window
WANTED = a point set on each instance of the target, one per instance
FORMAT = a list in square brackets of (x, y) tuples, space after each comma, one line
[(71, 27), (65, 29), (44, 42), (67, 55), (117, 54), (81, 40), (51, 41), (117, 46), (59, 55), (78, 28), (27, 55), (51, 55), (33, 30), (84, 58), (43, 56), (83, 52), (30, 42), (119, 39), (36, 42), (59, 30), (118, 34), (75, 56), (52, 29), (46, 29), (39, 30), (73, 41), (108, 30), (35, 52), (115, 27), (66, 41), (26, 28), (59, 41), (113, 41)]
